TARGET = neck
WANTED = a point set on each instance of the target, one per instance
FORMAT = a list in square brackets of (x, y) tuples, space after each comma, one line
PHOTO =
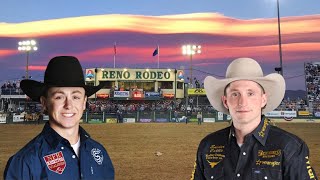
[(72, 134), (241, 130)]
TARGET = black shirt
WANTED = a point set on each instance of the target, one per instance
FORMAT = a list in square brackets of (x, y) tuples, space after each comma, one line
[(267, 153)]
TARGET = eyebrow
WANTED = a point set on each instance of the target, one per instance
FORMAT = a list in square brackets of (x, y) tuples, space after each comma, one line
[(61, 92)]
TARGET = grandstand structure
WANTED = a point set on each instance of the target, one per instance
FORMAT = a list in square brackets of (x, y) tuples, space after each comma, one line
[(312, 76)]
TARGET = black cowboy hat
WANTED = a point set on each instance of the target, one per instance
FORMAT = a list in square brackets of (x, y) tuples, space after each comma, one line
[(62, 71)]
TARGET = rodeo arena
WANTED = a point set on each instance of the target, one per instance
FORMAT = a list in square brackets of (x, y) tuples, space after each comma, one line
[(154, 96)]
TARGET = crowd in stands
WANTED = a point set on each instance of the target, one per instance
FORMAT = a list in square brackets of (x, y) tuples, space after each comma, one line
[(288, 104), (109, 106), (312, 71), (11, 88)]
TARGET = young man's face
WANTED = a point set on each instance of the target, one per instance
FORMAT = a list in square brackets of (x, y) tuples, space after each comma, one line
[(65, 106), (244, 99)]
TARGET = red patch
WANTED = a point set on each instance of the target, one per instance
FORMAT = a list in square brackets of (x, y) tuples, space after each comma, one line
[(55, 162)]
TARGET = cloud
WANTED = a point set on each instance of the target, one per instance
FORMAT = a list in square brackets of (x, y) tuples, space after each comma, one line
[(223, 38)]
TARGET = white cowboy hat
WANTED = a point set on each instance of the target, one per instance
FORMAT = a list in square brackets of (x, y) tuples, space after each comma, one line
[(245, 69)]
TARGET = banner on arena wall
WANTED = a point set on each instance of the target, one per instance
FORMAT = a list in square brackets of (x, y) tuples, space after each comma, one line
[(193, 120), (145, 120), (220, 116), (129, 120), (283, 114), (209, 119), (152, 94), (196, 91), (45, 118), (161, 120), (304, 113), (95, 121), (18, 118), (3, 118), (121, 94), (111, 120)]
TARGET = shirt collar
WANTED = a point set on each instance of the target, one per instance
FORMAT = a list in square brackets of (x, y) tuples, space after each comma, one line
[(53, 138), (260, 133)]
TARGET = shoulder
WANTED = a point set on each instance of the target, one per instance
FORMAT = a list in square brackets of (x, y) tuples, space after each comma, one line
[(28, 155), (284, 136), (218, 137), (30, 150), (93, 144), (289, 142)]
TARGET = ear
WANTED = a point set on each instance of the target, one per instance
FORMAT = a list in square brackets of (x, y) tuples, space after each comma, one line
[(264, 100), (84, 103), (43, 102), (224, 101)]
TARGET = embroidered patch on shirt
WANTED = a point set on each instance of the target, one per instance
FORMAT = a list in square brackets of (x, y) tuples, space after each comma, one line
[(55, 162), (97, 155), (216, 155)]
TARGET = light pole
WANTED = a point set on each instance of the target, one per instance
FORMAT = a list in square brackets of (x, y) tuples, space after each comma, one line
[(191, 50), (279, 35), (27, 45)]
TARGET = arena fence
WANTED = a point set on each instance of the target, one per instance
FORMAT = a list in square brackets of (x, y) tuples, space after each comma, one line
[(154, 117)]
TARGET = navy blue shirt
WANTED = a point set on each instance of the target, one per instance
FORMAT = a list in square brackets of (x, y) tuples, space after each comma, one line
[(267, 153), (50, 156)]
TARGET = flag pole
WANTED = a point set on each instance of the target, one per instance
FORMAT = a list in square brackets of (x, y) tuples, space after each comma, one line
[(158, 55), (114, 55)]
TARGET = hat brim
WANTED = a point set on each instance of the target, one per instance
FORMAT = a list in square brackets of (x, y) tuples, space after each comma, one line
[(273, 85), (34, 89)]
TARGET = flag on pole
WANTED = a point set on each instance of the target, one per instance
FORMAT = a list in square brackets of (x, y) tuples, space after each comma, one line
[(156, 51), (114, 55)]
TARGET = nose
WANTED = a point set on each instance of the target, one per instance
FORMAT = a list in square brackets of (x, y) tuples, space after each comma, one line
[(242, 101), (68, 103)]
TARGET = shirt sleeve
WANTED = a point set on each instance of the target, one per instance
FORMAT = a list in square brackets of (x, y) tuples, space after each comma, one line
[(298, 166), (198, 171), (17, 169)]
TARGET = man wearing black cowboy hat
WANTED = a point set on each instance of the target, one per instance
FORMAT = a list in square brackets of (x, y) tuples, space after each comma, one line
[(251, 148), (63, 150)]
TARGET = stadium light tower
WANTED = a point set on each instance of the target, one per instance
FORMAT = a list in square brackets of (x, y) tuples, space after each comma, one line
[(191, 50), (279, 35), (27, 46)]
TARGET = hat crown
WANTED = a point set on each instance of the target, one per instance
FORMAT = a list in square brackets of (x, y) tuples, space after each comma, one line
[(64, 71), (244, 67)]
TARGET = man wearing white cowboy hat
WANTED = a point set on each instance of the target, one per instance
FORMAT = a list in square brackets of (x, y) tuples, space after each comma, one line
[(250, 148), (63, 150)]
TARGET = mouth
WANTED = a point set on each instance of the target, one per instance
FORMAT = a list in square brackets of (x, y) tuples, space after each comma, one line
[(243, 111), (68, 115)]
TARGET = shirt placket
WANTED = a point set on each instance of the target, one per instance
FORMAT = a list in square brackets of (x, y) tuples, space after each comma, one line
[(243, 160)]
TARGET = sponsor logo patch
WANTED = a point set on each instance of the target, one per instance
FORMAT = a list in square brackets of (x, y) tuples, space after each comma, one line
[(97, 155), (216, 155), (55, 162)]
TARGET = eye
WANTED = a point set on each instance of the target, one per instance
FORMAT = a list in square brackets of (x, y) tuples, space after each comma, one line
[(58, 97), (234, 94), (76, 97), (251, 93)]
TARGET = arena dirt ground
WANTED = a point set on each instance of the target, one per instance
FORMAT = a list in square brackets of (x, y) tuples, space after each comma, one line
[(132, 147)]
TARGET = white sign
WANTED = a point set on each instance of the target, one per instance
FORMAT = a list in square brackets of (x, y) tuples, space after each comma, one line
[(209, 119), (121, 94), (282, 114), (129, 120), (45, 118), (18, 118), (3, 118), (220, 116)]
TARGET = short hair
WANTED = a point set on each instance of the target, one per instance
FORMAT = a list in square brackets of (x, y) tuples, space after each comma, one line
[(225, 89)]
